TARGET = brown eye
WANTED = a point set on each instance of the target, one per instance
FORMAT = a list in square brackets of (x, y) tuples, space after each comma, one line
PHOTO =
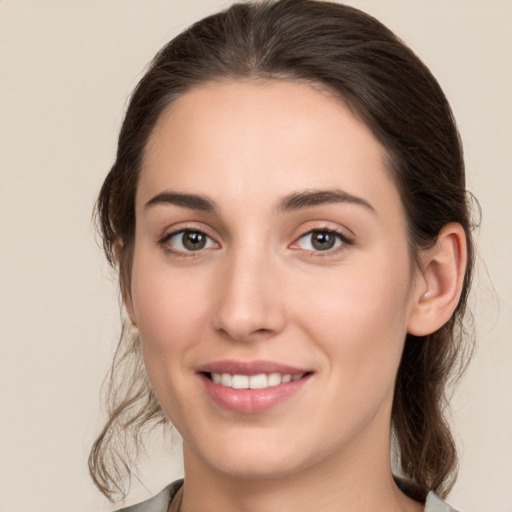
[(193, 240), (188, 241), (322, 240)]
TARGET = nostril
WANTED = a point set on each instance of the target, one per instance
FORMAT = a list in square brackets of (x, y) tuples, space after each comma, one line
[(263, 331)]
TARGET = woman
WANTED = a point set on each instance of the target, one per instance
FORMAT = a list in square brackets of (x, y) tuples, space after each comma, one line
[(289, 217)]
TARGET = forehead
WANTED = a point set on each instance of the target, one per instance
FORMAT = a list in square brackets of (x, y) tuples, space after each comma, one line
[(262, 139)]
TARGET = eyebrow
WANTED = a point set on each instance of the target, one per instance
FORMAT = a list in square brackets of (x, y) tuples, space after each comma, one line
[(291, 202), (309, 198), (191, 201)]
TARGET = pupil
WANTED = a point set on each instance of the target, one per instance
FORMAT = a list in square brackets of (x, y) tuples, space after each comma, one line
[(194, 241), (323, 240)]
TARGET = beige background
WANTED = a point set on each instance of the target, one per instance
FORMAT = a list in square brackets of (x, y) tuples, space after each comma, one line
[(66, 69)]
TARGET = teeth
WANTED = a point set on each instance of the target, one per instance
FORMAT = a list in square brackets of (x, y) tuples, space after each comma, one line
[(259, 381), (226, 379), (274, 379), (240, 382)]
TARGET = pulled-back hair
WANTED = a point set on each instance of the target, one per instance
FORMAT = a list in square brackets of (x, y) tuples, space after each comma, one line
[(387, 87)]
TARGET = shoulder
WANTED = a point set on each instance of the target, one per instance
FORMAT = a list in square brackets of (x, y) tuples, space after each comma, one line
[(433, 503), (436, 504), (158, 503)]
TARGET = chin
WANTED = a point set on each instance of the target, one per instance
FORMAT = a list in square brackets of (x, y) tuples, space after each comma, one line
[(264, 468), (242, 452), (249, 456)]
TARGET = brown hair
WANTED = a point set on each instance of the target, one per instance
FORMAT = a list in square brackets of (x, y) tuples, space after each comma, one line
[(396, 96)]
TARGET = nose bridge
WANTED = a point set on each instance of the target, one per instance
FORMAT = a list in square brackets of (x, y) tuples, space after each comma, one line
[(249, 305)]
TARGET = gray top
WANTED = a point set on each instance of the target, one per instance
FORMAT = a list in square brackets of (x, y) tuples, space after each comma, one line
[(161, 502)]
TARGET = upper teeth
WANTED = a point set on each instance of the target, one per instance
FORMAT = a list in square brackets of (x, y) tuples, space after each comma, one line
[(259, 381)]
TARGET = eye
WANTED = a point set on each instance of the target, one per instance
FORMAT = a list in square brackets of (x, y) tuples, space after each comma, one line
[(321, 240), (188, 240)]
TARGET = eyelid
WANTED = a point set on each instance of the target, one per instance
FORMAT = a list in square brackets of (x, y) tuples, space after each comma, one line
[(341, 233), (342, 236), (163, 240)]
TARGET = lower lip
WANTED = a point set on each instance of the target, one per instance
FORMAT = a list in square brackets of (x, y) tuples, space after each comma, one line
[(252, 401)]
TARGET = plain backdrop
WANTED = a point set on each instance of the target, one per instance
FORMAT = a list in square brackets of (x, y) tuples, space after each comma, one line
[(66, 70)]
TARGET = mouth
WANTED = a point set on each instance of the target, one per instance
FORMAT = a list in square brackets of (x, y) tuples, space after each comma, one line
[(252, 387), (258, 381)]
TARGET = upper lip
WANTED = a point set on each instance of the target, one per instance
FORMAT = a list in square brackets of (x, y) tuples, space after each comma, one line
[(250, 367)]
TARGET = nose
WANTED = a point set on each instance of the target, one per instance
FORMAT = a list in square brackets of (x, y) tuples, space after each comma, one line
[(249, 304)]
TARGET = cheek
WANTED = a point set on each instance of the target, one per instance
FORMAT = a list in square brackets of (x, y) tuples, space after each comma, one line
[(169, 311), (359, 319)]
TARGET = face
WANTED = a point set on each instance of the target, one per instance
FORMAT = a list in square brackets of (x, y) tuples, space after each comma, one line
[(271, 279)]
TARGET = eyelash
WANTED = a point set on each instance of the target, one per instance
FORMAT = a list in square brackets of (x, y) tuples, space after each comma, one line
[(342, 238), (164, 242)]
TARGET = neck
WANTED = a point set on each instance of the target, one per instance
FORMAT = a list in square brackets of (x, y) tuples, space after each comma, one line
[(341, 482)]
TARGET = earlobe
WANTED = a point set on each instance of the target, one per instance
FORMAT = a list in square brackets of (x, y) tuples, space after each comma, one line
[(439, 285), (125, 290), (128, 304), (118, 250), (129, 309)]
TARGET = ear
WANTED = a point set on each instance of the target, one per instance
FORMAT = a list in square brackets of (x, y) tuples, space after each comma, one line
[(440, 281), (125, 288)]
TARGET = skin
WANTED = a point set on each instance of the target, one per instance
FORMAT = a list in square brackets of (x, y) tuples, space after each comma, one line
[(260, 290)]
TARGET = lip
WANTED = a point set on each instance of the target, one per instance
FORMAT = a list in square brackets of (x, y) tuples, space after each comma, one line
[(250, 367), (251, 401)]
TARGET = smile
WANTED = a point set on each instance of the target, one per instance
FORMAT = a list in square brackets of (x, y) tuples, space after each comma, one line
[(259, 381), (252, 387)]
